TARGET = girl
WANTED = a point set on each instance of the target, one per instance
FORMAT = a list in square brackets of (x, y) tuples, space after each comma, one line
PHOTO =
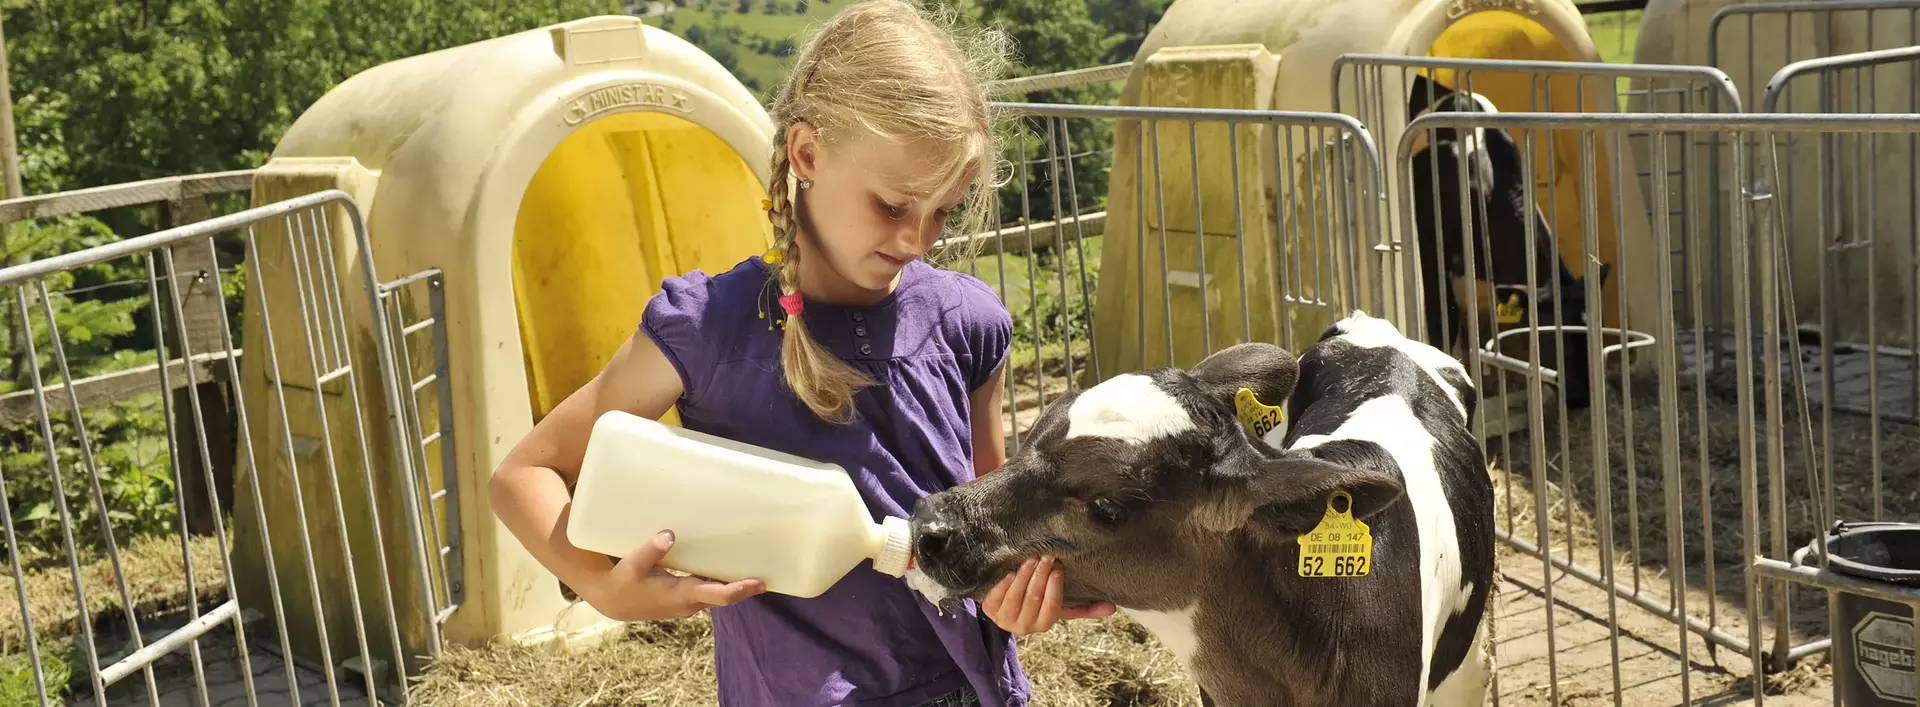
[(839, 345)]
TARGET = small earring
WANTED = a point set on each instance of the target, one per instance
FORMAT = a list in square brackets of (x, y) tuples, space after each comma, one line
[(806, 183)]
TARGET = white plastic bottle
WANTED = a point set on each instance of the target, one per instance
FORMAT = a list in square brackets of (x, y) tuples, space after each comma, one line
[(737, 511)]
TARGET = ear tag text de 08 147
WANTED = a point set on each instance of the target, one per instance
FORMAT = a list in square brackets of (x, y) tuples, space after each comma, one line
[(1341, 546), (1259, 418)]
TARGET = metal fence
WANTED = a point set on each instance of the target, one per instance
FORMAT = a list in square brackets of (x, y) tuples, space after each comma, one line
[(1714, 469), (1378, 89), (268, 602), (1205, 228), (1676, 500)]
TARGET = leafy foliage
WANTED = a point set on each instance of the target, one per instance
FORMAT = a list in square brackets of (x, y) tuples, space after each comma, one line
[(107, 91)]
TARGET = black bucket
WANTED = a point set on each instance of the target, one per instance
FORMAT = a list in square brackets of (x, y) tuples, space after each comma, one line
[(1873, 643)]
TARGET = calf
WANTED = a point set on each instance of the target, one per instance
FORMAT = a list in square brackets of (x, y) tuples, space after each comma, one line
[(1155, 496), (1499, 210)]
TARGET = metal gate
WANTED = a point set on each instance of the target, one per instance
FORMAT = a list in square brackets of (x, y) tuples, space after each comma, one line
[(1655, 494), (309, 549), (1135, 237), (1377, 89)]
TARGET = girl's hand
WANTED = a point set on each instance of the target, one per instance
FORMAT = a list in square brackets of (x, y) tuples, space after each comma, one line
[(636, 589), (1030, 600)]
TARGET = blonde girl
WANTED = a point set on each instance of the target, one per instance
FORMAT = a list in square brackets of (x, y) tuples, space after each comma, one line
[(842, 345)]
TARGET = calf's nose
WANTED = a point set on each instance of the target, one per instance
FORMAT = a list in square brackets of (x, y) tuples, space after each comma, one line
[(932, 540)]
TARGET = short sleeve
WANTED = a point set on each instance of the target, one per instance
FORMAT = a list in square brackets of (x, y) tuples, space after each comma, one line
[(672, 320), (986, 328)]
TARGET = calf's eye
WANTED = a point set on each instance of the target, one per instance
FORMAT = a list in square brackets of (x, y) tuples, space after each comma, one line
[(1107, 511)]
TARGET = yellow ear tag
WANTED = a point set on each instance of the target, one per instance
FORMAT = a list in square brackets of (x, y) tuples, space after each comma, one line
[(1341, 546), (1259, 418), (1510, 311)]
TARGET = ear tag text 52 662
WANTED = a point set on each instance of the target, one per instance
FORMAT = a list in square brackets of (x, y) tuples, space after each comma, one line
[(1341, 546), (1259, 418)]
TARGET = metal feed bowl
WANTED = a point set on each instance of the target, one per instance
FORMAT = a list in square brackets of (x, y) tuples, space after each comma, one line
[(1627, 340)]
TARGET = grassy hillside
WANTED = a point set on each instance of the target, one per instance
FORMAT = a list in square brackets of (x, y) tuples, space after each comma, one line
[(756, 44), (1614, 35)]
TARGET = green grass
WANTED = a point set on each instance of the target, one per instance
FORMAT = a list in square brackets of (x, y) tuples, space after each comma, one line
[(1614, 35), (766, 70)]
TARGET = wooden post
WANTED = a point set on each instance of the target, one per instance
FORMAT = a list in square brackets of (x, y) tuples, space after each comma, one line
[(10, 170), (196, 283), (9, 149)]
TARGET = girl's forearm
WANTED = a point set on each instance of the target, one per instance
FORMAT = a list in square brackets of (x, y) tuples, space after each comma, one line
[(534, 504)]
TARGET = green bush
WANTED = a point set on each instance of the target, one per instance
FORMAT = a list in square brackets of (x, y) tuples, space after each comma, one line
[(16, 674)]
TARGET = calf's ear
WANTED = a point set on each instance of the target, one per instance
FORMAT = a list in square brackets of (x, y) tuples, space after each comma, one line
[(1268, 370), (1289, 494)]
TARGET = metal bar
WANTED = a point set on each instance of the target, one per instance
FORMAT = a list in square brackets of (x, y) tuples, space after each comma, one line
[(1060, 244), (1669, 373), (167, 415), (1033, 289), (1268, 117), (1634, 597), (1828, 579), (1777, 85), (141, 659), (1712, 77), (1239, 232), (1080, 249), (161, 239), (331, 287), (305, 279), (390, 372), (1166, 286), (423, 275), (1900, 123), (293, 472), (247, 452), (20, 592), (1743, 396), (60, 496), (1200, 242), (412, 414), (1536, 418), (1597, 390)]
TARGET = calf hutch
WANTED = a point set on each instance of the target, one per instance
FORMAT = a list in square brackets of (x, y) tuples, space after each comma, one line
[(543, 183)]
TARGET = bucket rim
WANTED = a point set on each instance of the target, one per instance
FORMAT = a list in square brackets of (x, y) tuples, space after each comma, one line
[(1862, 570)]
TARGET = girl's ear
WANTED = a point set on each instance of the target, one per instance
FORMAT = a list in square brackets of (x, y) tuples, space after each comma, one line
[(803, 149)]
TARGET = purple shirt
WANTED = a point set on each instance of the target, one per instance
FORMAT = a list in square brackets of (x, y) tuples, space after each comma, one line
[(869, 640)]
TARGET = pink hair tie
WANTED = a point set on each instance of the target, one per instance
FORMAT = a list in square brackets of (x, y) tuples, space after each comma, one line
[(792, 303)]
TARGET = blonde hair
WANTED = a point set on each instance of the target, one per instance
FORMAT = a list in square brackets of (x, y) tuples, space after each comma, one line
[(880, 69)]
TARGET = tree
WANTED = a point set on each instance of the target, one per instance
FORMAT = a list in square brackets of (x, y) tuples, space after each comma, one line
[(1129, 21), (108, 91), (1051, 36)]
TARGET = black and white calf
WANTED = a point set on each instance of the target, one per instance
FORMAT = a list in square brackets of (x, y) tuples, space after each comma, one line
[(1499, 210), (1154, 496)]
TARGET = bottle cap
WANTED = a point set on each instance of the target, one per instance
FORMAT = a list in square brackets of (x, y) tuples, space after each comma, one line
[(896, 548)]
